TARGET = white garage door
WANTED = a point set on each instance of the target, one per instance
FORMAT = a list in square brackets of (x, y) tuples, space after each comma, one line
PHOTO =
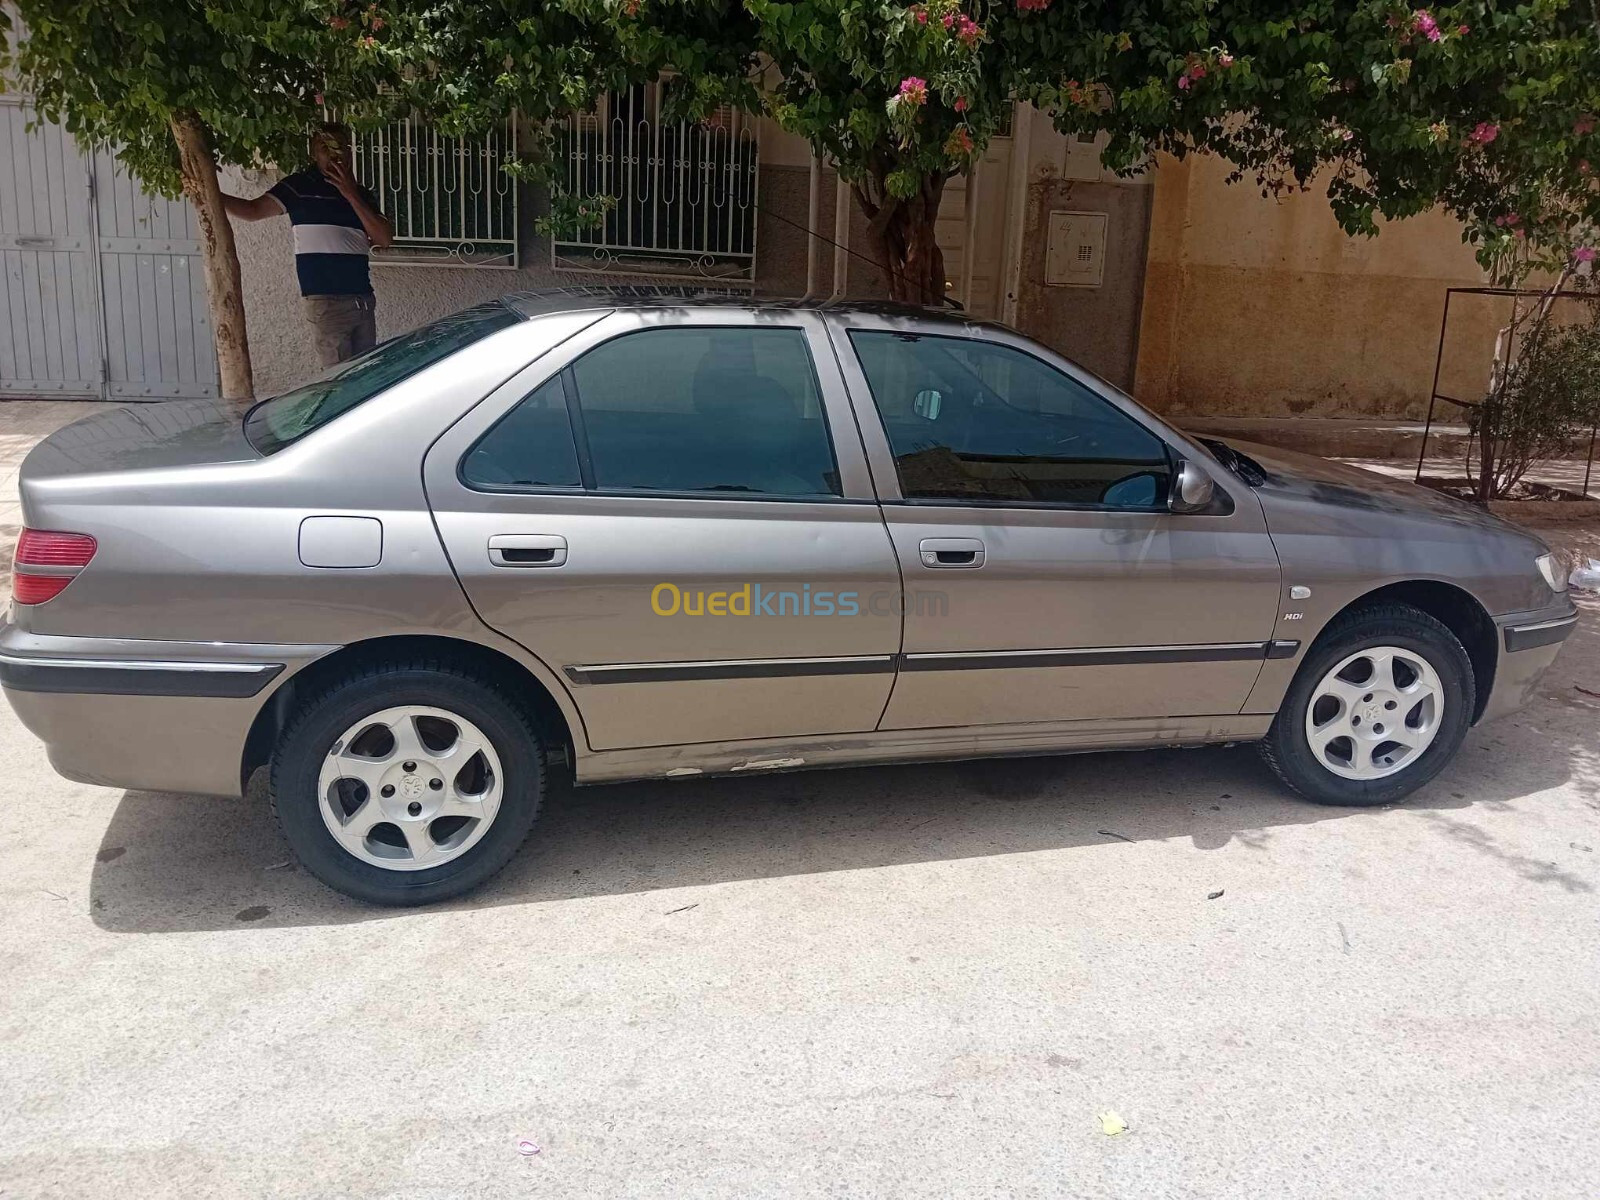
[(102, 291)]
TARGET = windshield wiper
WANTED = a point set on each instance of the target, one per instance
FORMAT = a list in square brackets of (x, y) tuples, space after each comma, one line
[(1242, 465)]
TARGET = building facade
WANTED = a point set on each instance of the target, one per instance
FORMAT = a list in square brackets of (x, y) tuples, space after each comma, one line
[(1200, 296)]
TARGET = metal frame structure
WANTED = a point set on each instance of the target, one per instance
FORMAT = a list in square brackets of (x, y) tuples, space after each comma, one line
[(685, 192), (1435, 395), (450, 200)]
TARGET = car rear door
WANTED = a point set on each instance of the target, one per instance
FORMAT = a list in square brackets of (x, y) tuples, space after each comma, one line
[(1045, 579), (673, 511)]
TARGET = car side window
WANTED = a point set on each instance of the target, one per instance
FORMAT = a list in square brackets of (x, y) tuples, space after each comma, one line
[(978, 421), (733, 411), (531, 446)]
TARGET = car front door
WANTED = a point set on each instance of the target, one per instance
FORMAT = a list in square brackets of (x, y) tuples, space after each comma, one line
[(673, 511), (1045, 579)]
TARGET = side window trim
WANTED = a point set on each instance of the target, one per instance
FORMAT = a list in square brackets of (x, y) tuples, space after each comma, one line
[(580, 432), (880, 451)]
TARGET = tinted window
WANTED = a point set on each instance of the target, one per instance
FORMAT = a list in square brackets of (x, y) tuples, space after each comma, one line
[(274, 424), (972, 420), (531, 446), (692, 409)]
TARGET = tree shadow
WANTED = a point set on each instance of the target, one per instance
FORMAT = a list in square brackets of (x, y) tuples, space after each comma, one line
[(179, 863)]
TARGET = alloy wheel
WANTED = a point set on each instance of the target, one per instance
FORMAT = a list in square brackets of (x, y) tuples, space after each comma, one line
[(411, 787), (1374, 713)]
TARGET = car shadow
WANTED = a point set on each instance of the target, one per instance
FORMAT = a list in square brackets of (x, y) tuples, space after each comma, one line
[(180, 863)]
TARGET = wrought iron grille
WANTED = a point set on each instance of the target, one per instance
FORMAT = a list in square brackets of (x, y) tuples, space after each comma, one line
[(684, 192), (448, 198)]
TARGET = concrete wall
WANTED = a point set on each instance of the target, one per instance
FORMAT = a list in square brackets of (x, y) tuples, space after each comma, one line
[(1095, 327), (1265, 307)]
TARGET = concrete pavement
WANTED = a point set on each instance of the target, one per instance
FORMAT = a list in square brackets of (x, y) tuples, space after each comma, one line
[(907, 981), (918, 981)]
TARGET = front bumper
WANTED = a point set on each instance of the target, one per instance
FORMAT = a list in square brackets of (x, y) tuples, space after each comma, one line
[(144, 715), (1527, 643)]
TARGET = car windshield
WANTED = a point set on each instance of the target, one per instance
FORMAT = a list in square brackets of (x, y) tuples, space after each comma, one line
[(283, 420)]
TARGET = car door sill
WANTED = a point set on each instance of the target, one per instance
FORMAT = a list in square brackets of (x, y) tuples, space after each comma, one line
[(915, 745)]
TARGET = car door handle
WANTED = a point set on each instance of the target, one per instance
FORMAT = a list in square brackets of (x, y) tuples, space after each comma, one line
[(951, 552), (527, 550)]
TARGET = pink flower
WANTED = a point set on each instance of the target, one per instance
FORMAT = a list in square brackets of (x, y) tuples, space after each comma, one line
[(339, 22), (1183, 83), (914, 90), (1483, 133), (318, 98), (1032, 5), (1198, 71), (922, 16), (1426, 25), (377, 22), (1583, 125), (961, 104), (967, 30), (1584, 254), (1583, 166), (948, 19), (1224, 59), (1463, 30)]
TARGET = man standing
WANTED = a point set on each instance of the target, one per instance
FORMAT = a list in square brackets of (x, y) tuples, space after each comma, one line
[(336, 223)]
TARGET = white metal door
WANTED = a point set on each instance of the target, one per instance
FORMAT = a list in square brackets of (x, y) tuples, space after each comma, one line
[(49, 326), (158, 331), (971, 230), (102, 292)]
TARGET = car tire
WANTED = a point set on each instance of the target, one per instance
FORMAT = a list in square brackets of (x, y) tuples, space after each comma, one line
[(452, 809), (1331, 740)]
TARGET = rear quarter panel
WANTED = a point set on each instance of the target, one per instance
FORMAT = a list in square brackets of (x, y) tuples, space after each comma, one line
[(211, 553)]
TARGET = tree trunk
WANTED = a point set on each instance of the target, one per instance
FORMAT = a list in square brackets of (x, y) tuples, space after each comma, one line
[(199, 170), (903, 233)]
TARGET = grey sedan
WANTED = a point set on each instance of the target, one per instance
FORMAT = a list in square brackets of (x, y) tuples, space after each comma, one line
[(643, 535)]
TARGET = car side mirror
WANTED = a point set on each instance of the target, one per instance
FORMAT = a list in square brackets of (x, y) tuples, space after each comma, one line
[(1192, 489)]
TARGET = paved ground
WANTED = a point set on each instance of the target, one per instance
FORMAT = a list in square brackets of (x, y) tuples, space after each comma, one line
[(906, 981)]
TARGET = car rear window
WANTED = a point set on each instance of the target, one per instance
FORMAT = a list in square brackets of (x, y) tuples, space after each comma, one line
[(283, 420)]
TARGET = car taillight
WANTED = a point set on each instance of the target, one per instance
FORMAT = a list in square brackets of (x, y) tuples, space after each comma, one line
[(58, 557)]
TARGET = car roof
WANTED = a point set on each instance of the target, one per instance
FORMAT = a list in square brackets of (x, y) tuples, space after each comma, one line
[(547, 301)]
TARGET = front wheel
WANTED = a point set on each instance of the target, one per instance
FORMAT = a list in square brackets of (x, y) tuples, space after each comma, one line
[(1378, 708), (407, 783)]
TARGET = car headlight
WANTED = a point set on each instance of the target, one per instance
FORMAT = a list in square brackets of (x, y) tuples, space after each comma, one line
[(1553, 574)]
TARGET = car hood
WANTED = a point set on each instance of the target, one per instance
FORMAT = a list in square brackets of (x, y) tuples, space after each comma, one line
[(1297, 478), (177, 433)]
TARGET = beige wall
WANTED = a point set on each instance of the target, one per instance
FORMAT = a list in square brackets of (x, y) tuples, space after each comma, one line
[(1262, 307)]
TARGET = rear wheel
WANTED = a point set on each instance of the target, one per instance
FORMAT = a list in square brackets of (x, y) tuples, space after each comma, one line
[(1380, 705), (407, 783)]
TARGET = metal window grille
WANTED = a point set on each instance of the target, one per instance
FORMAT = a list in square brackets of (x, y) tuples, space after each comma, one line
[(684, 192), (450, 202)]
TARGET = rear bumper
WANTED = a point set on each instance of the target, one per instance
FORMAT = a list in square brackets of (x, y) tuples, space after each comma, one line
[(1529, 643), (149, 716)]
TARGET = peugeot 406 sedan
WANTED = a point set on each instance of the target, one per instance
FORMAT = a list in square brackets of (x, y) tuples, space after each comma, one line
[(650, 536)]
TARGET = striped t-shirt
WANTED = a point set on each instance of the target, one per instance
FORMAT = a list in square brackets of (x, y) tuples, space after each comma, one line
[(330, 246)]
